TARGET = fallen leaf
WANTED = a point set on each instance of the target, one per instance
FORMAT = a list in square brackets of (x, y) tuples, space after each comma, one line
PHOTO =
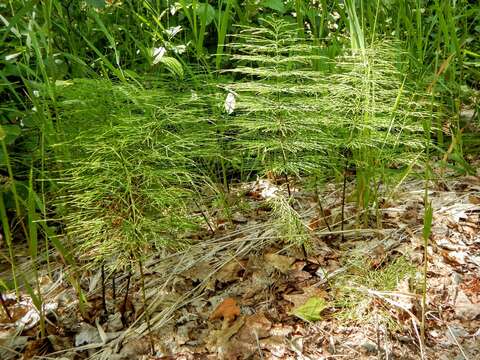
[(87, 335), (473, 199), (256, 327), (464, 308), (227, 310), (300, 299), (454, 258), (275, 344), (218, 339), (311, 310), (35, 348), (229, 272), (280, 262)]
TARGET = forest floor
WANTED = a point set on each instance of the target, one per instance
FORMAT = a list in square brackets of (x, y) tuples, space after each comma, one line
[(240, 293)]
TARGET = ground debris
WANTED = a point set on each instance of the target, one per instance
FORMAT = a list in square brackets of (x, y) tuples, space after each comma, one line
[(256, 298)]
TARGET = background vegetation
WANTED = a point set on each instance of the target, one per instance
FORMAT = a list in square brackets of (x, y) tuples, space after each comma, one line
[(120, 117)]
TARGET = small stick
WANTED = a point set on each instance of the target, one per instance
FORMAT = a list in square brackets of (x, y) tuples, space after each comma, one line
[(204, 216), (288, 186), (114, 292), (124, 305), (104, 302), (304, 250), (321, 207)]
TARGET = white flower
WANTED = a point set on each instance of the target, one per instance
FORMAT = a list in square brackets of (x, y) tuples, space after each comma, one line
[(36, 93), (157, 54), (230, 103), (12, 56), (174, 8), (180, 49), (171, 32)]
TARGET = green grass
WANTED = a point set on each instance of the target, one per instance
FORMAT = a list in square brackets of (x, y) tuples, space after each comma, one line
[(351, 298)]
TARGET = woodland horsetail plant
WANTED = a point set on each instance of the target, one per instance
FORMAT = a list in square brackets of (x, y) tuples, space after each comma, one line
[(124, 124), (299, 121)]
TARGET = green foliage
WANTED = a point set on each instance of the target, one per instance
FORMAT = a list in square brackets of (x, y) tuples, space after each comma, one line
[(287, 222), (127, 174), (276, 117), (311, 310), (351, 289), (375, 115)]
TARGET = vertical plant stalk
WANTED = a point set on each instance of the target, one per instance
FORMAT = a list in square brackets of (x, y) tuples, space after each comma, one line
[(204, 216), (427, 226), (145, 306), (12, 181), (288, 186), (123, 308), (32, 241), (114, 288), (8, 240), (104, 302), (322, 212), (222, 26), (343, 202)]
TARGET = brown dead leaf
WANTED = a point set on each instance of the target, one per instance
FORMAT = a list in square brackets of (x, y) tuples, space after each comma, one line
[(230, 271), (379, 256), (276, 345), (35, 348), (464, 308), (280, 262), (300, 299), (235, 349), (474, 199), (454, 258), (472, 288), (315, 223), (227, 310), (256, 326), (218, 339), (198, 272)]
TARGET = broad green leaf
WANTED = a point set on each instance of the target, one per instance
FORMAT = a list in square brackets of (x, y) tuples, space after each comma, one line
[(206, 12), (96, 3), (311, 310), (9, 133), (427, 221), (277, 5), (173, 65)]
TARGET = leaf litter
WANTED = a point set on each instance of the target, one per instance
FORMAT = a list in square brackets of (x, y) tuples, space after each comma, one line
[(243, 293)]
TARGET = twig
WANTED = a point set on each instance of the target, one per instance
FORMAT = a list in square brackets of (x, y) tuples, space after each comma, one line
[(204, 216), (456, 342), (125, 299), (320, 206), (114, 290), (104, 302), (288, 186)]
